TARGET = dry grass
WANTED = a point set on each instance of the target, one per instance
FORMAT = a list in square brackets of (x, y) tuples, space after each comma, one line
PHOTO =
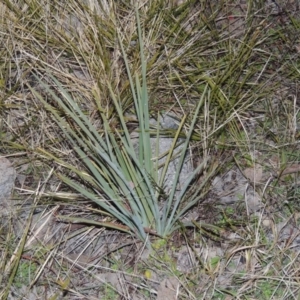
[(247, 52)]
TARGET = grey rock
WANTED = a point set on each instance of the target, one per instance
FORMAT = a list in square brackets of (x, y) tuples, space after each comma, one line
[(232, 187), (7, 181), (163, 145), (169, 122)]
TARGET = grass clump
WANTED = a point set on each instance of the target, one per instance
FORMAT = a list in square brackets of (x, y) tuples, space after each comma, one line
[(131, 188), (122, 183)]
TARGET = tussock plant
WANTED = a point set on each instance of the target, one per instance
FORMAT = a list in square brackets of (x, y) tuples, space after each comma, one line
[(122, 182)]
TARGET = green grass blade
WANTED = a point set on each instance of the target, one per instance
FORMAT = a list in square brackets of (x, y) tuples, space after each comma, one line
[(171, 211)]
